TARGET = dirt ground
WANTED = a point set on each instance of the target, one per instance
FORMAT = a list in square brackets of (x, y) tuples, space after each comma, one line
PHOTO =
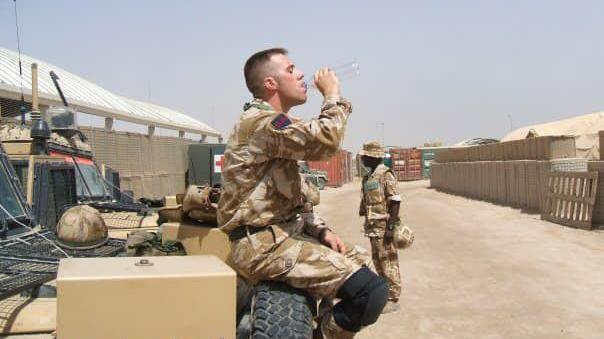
[(478, 270)]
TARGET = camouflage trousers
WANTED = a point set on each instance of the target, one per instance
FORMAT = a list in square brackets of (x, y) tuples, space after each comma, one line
[(297, 260), (385, 258)]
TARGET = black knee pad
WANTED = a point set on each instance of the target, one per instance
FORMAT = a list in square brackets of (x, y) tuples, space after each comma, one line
[(363, 297)]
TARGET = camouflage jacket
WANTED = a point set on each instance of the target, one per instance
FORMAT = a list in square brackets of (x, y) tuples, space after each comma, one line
[(377, 189), (261, 184)]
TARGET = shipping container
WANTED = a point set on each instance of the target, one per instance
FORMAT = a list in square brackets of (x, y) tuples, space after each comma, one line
[(406, 163), (388, 159), (205, 164), (428, 156), (339, 168)]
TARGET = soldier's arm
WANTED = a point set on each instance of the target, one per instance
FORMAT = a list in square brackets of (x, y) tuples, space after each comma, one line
[(393, 198), (316, 227), (362, 208), (313, 224), (282, 136)]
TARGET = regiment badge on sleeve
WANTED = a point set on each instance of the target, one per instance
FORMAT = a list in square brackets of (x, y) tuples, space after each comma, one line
[(281, 121)]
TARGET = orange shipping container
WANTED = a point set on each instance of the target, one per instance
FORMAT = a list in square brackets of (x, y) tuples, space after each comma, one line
[(406, 163), (338, 168)]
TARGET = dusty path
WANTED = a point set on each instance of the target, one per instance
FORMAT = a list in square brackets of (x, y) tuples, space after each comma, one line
[(479, 270)]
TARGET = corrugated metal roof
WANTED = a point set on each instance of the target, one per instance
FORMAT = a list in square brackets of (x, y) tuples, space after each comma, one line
[(88, 97)]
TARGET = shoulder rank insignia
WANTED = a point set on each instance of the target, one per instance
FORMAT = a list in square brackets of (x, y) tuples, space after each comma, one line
[(281, 121)]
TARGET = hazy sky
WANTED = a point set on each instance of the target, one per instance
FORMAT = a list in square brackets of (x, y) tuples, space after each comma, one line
[(430, 70)]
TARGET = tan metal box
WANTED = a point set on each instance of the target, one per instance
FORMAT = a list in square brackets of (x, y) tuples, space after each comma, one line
[(173, 297)]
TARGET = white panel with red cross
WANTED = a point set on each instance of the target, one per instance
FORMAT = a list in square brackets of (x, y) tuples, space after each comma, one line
[(218, 161)]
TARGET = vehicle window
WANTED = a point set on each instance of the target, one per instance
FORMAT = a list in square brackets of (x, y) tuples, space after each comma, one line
[(93, 180), (8, 197), (21, 171)]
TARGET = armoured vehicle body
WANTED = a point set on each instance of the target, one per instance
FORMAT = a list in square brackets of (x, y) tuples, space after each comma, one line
[(68, 175)]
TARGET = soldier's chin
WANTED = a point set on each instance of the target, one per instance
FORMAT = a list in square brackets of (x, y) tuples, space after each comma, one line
[(300, 100)]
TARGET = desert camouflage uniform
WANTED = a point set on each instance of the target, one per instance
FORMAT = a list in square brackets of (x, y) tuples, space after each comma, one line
[(378, 189), (262, 188)]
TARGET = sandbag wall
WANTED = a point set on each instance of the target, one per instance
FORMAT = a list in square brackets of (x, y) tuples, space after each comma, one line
[(517, 183), (149, 166)]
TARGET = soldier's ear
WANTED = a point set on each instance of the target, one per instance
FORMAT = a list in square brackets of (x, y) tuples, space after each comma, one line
[(270, 84)]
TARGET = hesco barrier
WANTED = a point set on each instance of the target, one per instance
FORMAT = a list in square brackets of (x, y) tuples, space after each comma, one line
[(338, 167), (540, 148), (149, 166), (519, 183)]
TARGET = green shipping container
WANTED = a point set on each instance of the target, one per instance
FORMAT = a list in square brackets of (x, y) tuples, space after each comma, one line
[(205, 164), (388, 160), (428, 156)]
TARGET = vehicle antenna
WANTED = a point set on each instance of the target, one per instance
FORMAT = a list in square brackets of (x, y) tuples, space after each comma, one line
[(22, 108)]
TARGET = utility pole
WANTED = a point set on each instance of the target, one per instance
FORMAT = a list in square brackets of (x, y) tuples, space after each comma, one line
[(510, 118)]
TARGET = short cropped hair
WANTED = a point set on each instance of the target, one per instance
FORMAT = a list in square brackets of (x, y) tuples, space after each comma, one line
[(254, 70)]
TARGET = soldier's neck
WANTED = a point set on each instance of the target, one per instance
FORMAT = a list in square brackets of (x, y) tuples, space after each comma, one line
[(277, 104)]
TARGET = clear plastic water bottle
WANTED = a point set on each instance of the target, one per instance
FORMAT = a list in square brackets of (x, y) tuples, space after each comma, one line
[(343, 72)]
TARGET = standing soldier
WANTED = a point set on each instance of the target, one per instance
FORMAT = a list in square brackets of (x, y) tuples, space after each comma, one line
[(380, 203), (262, 194)]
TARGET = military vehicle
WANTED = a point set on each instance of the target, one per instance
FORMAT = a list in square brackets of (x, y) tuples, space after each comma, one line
[(316, 177), (49, 190), (30, 255), (51, 145)]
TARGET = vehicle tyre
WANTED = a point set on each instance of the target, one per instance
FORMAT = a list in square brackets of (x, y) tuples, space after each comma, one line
[(280, 311)]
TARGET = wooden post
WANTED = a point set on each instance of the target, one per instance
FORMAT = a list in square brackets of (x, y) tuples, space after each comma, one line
[(109, 124), (34, 87)]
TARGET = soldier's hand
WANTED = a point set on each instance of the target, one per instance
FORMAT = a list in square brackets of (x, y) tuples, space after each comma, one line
[(334, 242), (327, 83)]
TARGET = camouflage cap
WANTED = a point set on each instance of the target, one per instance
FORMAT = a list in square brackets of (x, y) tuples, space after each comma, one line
[(373, 149), (81, 227)]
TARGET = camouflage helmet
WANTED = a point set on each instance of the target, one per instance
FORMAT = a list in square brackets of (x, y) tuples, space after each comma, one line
[(403, 237), (81, 227), (373, 149)]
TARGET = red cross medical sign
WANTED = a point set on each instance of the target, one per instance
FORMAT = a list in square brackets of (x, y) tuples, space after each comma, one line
[(218, 161)]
